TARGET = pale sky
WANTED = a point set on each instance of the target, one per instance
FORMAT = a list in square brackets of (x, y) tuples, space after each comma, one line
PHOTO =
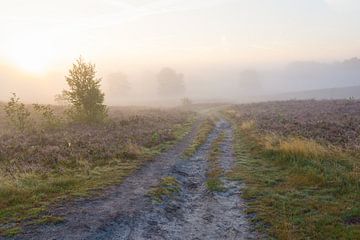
[(39, 35)]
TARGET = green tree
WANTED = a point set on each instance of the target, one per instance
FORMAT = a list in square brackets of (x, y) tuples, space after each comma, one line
[(17, 114), (84, 95)]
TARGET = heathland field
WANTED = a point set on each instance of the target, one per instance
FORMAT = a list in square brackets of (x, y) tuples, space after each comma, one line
[(42, 164), (300, 161), (272, 170)]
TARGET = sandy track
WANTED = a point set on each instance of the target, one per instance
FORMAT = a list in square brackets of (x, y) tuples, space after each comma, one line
[(195, 213)]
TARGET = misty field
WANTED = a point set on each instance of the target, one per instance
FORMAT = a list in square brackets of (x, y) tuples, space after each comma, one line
[(294, 165), (40, 166), (331, 122), (300, 161)]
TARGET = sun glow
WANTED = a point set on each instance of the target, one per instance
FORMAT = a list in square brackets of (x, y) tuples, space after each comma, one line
[(31, 54)]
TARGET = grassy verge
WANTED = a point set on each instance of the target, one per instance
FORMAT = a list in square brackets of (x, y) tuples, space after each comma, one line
[(213, 182), (167, 187), (298, 189), (24, 198), (205, 129)]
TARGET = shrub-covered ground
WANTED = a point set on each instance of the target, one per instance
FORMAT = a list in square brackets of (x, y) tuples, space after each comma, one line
[(335, 122), (300, 162), (41, 166), (122, 136)]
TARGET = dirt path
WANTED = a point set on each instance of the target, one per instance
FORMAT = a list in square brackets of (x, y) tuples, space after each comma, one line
[(126, 212)]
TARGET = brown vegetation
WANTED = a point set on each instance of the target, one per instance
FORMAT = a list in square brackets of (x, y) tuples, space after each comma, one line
[(40, 166), (299, 161)]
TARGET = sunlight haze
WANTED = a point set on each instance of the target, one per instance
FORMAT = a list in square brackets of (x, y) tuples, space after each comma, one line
[(41, 38)]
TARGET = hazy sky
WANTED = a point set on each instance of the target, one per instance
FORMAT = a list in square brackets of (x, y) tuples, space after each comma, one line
[(38, 35)]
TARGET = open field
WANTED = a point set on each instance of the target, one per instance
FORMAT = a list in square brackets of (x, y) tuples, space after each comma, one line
[(180, 120), (334, 122), (300, 162), (275, 170)]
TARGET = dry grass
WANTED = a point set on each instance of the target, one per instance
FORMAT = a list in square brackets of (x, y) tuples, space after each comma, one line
[(298, 188), (213, 182), (28, 189), (167, 187), (247, 125), (335, 122), (294, 146), (132, 151), (205, 129)]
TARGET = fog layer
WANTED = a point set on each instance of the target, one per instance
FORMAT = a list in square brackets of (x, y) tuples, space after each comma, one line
[(235, 84)]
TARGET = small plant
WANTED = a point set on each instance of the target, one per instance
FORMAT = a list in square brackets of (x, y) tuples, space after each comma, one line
[(167, 187), (132, 151), (17, 113), (155, 137), (48, 116)]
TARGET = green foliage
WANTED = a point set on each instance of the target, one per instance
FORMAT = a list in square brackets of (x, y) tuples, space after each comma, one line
[(84, 94), (215, 172), (167, 187), (48, 117), (214, 185), (155, 137), (205, 129), (17, 113)]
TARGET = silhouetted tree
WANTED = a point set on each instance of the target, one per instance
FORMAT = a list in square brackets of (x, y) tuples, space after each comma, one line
[(118, 84), (170, 82), (84, 95), (186, 102)]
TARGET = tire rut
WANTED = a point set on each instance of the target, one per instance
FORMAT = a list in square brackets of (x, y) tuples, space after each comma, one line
[(126, 212), (194, 213)]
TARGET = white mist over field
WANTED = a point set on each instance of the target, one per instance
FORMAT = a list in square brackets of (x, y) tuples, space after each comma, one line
[(240, 84)]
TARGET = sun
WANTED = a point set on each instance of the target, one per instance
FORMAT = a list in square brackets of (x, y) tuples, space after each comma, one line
[(32, 54)]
